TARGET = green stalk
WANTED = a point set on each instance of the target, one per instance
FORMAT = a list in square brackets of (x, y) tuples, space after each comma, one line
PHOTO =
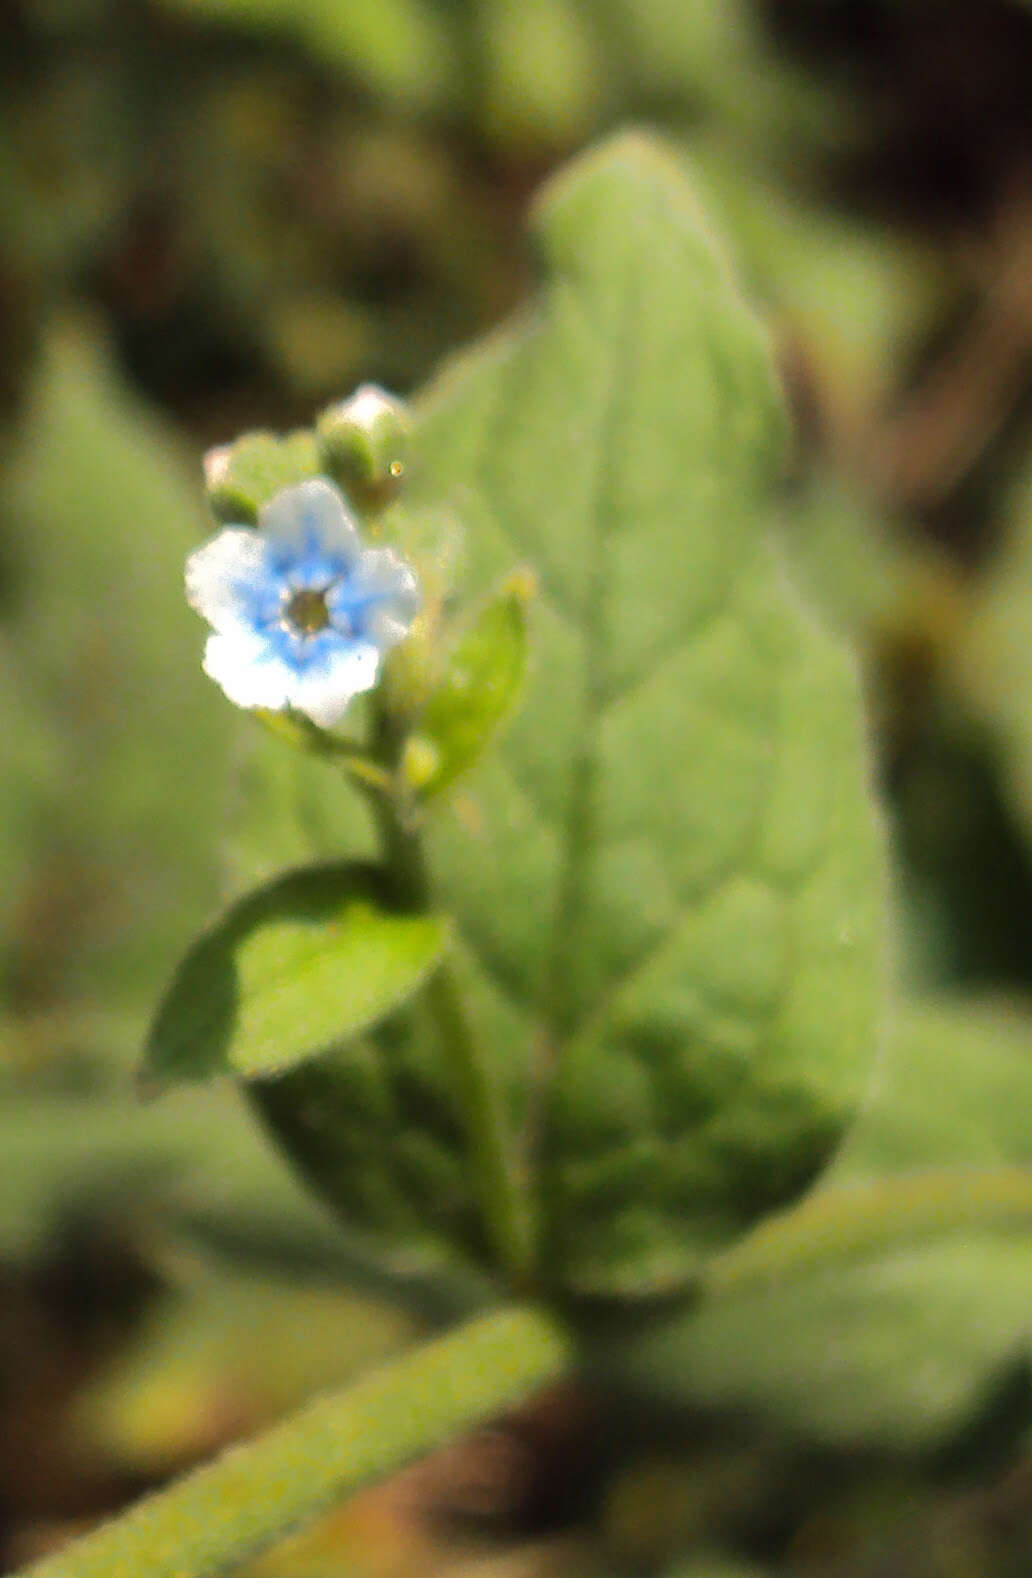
[(222, 1515), (505, 1204)]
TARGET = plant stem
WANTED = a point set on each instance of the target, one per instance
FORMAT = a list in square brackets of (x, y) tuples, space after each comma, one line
[(505, 1204), (223, 1514)]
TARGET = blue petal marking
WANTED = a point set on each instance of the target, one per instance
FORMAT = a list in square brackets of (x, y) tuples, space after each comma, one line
[(326, 556)]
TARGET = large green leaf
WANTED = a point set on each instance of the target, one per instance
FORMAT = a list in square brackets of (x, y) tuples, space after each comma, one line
[(668, 876), (290, 972), (114, 847), (882, 1308), (956, 1091)]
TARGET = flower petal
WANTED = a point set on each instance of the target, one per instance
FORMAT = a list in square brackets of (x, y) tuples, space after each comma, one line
[(324, 691), (244, 583), (229, 580), (249, 671), (380, 599), (310, 520)]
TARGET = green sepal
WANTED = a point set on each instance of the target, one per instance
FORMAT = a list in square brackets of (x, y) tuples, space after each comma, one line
[(297, 730), (289, 972), (240, 477), (481, 684)]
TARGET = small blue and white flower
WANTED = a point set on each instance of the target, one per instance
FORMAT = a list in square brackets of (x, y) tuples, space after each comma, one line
[(302, 612)]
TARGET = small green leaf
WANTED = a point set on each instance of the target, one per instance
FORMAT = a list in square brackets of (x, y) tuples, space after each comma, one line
[(290, 972), (481, 683), (956, 1091), (545, 76), (666, 873), (894, 1351), (241, 477)]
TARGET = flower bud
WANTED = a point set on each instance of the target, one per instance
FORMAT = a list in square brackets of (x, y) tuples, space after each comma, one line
[(241, 477), (362, 444)]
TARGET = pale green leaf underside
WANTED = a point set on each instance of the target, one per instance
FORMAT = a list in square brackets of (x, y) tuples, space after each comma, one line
[(668, 874), (289, 972)]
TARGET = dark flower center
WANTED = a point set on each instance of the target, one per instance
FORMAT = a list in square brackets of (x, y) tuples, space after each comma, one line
[(307, 611)]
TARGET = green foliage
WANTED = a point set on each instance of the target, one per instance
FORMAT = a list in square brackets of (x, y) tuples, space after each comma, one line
[(242, 476), (288, 808), (81, 1147), (953, 1092), (668, 875), (851, 295), (543, 65), (884, 1306), (112, 846), (865, 580), (291, 971), (480, 686)]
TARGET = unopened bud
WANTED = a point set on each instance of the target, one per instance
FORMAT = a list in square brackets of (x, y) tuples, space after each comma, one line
[(240, 477), (362, 444)]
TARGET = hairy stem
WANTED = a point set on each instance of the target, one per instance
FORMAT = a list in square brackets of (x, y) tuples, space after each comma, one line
[(221, 1515)]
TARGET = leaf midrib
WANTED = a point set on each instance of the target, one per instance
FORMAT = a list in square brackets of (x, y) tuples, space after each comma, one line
[(558, 1007)]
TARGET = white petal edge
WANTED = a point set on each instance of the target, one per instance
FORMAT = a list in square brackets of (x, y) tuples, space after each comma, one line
[(325, 693), (313, 508), (241, 664), (215, 570), (383, 572)]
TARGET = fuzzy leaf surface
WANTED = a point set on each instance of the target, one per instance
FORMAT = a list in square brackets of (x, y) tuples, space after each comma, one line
[(667, 876)]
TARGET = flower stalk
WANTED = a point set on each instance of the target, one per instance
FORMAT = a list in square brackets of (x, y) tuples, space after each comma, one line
[(504, 1203)]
